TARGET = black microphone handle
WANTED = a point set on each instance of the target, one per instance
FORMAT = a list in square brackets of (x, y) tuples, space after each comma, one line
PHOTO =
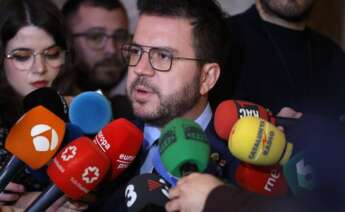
[(45, 199), (9, 171)]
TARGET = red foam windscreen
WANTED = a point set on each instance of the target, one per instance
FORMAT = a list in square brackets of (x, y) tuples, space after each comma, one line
[(121, 140), (229, 111), (79, 167)]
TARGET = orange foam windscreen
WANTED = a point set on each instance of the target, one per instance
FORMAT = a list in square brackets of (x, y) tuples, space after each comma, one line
[(36, 137)]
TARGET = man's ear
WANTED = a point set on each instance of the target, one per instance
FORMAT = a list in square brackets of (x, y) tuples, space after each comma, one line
[(209, 75)]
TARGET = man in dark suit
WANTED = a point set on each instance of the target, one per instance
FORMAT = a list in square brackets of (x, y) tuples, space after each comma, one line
[(173, 62), (173, 68)]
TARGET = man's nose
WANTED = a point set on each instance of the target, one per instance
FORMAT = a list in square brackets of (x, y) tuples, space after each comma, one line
[(144, 66)]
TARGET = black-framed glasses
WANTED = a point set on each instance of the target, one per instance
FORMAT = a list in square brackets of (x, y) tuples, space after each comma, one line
[(160, 58), (97, 38), (24, 58)]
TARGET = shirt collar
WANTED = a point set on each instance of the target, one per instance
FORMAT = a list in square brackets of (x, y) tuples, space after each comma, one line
[(152, 133)]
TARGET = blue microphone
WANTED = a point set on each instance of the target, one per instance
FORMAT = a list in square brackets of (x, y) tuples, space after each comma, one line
[(91, 111)]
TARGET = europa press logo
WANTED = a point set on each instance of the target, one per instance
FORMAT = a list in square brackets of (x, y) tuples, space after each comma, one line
[(40, 141)]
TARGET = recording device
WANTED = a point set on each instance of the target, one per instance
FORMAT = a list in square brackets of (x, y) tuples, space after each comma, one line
[(299, 174), (77, 169), (258, 142), (183, 147), (72, 132), (264, 180), (147, 192), (161, 170), (90, 111), (121, 141), (229, 111), (33, 141), (50, 99)]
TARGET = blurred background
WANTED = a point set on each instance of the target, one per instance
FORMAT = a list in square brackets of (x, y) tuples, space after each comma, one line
[(328, 17)]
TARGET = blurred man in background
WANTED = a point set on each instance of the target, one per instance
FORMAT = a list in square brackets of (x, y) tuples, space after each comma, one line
[(99, 28), (276, 60)]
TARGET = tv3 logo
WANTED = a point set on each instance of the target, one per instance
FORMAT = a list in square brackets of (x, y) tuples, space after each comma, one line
[(42, 143), (304, 175), (132, 196)]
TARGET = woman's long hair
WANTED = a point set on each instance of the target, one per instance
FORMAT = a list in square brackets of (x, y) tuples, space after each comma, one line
[(16, 14)]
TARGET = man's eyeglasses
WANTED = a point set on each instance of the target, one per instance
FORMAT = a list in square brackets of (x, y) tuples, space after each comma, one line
[(97, 39), (23, 58), (160, 58)]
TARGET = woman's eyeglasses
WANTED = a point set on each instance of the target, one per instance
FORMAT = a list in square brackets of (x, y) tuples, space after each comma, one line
[(24, 58)]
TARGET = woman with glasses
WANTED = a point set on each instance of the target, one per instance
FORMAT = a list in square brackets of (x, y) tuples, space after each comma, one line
[(33, 46)]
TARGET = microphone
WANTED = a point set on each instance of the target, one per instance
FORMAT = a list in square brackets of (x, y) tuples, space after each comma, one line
[(72, 132), (258, 142), (264, 180), (229, 111), (299, 175), (90, 111), (48, 98), (33, 141), (121, 140), (147, 192), (77, 169), (183, 147), (161, 170)]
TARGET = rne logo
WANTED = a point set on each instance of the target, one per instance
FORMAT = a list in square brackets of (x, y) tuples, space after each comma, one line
[(41, 142)]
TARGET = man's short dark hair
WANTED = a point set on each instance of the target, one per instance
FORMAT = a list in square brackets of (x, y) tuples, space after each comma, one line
[(71, 6), (206, 17)]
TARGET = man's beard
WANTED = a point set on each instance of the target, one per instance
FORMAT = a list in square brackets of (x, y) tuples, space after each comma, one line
[(104, 75), (291, 11), (171, 106)]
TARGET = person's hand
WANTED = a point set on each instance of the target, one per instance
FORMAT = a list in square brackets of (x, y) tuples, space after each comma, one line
[(72, 206), (288, 112), (10, 209), (191, 192), (63, 204), (12, 193)]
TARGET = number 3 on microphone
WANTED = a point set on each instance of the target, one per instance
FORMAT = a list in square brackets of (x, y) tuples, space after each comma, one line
[(131, 195)]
